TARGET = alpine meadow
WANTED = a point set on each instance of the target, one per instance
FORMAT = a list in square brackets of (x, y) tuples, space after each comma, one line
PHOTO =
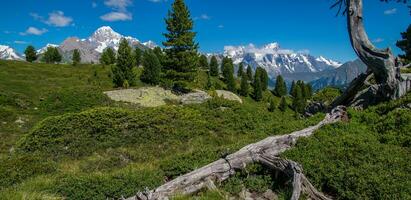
[(208, 107)]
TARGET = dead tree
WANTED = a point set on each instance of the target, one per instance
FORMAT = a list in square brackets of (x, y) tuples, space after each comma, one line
[(382, 65), (264, 152)]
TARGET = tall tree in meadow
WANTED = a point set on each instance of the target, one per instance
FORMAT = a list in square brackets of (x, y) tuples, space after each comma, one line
[(160, 55), (76, 58), (299, 101), (30, 53), (249, 73), (228, 75), (180, 47), (280, 86), (272, 105), (203, 62), (52, 55), (283, 104), (240, 71), (108, 57), (264, 78), (123, 71), (138, 56), (245, 86), (152, 68), (224, 63), (214, 66), (293, 89), (258, 90)]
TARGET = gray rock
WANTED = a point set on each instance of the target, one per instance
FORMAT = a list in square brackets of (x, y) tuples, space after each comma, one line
[(195, 97), (228, 95)]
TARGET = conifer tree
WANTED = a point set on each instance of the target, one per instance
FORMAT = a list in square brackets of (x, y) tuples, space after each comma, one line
[(52, 55), (298, 101), (209, 85), (56, 55), (203, 62), (108, 57), (240, 71), (263, 78), (405, 45), (160, 55), (272, 106), (76, 57), (224, 62), (214, 66), (180, 47), (152, 68), (123, 71), (283, 104), (308, 91), (138, 56), (244, 87), (250, 73), (228, 75), (258, 91), (280, 86), (30, 53), (293, 89)]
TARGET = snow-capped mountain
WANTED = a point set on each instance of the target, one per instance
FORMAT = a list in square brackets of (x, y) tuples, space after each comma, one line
[(91, 47), (8, 53), (42, 50), (278, 61)]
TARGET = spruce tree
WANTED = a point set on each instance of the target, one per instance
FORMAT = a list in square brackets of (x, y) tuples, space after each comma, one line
[(30, 53), (180, 47), (76, 57), (298, 101), (123, 71), (108, 57), (263, 78), (272, 106), (280, 86), (203, 61), (138, 56), (228, 74), (209, 85), (152, 68), (244, 88), (56, 55), (214, 66), (52, 55), (308, 91), (240, 71), (283, 104), (224, 62), (293, 89), (160, 55), (250, 73), (258, 91)]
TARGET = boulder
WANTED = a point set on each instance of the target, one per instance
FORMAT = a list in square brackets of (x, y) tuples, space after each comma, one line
[(195, 97), (228, 95)]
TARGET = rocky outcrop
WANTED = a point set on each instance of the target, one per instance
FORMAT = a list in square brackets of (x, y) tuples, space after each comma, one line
[(228, 95), (195, 97)]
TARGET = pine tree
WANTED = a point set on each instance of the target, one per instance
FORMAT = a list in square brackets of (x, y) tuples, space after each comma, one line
[(293, 89), (240, 71), (209, 85), (228, 75), (152, 68), (298, 101), (250, 73), (123, 71), (283, 104), (203, 61), (138, 56), (308, 91), (56, 55), (405, 45), (108, 57), (52, 55), (280, 86), (214, 66), (263, 78), (272, 106), (244, 88), (30, 53), (180, 47), (258, 91), (160, 55), (224, 62), (76, 57)]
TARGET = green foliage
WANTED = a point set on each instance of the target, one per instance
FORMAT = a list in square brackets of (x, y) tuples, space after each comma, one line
[(258, 90), (160, 55), (283, 104), (31, 54), (244, 87), (214, 66), (52, 55), (298, 101), (280, 86), (240, 71), (293, 91), (108, 57), (367, 158), (138, 56), (203, 62), (255, 178), (326, 95), (228, 75), (152, 68), (76, 57), (250, 73), (123, 71), (272, 105), (181, 49), (405, 45), (263, 77)]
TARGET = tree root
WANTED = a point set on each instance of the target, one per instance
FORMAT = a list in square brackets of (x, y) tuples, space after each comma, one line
[(264, 152)]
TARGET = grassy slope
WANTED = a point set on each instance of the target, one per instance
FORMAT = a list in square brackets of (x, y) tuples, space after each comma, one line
[(87, 147)]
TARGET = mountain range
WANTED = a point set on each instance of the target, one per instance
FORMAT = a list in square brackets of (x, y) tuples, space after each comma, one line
[(275, 60)]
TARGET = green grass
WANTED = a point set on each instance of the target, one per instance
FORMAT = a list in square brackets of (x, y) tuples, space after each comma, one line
[(74, 143)]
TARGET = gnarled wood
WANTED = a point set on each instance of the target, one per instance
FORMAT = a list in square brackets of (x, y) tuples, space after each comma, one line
[(264, 152)]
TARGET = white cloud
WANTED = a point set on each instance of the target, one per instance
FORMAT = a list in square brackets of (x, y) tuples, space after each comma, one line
[(304, 51), (93, 4), (58, 19), (20, 42), (116, 16), (118, 4), (390, 11), (220, 26), (378, 40), (157, 1), (203, 17), (34, 31)]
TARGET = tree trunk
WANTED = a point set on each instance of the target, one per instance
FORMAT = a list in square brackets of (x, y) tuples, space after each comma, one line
[(381, 64), (264, 152)]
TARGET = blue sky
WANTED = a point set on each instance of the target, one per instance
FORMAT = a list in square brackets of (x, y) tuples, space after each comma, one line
[(295, 24)]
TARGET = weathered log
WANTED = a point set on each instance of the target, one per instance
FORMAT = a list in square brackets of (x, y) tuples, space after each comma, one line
[(264, 152), (381, 63)]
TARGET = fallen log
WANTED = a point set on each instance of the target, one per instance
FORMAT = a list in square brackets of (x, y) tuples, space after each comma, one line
[(264, 152)]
